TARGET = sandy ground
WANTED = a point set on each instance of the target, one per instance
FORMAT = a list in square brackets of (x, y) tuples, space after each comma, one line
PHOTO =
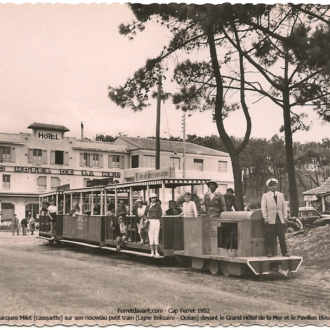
[(47, 283)]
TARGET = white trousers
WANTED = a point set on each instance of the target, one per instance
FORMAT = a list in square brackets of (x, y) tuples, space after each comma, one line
[(153, 231)]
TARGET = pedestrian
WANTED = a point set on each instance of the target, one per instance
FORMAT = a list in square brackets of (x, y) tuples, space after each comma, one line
[(15, 224), (120, 232), (213, 200), (32, 224), (230, 200), (52, 212), (24, 224), (273, 208), (138, 211), (189, 207), (152, 214)]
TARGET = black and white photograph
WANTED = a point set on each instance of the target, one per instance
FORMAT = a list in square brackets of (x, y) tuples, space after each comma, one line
[(164, 164)]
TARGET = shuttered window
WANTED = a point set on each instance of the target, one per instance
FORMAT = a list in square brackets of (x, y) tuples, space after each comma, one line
[(175, 162), (222, 166), (199, 165), (149, 161), (37, 156), (42, 183), (115, 161), (91, 160), (54, 182)]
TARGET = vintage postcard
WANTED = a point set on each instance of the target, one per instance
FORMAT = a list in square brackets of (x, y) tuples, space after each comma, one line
[(164, 164)]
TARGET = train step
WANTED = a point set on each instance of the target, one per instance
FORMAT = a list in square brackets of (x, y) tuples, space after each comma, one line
[(80, 243), (132, 252)]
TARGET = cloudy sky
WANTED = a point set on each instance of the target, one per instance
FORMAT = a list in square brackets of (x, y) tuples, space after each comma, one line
[(57, 61)]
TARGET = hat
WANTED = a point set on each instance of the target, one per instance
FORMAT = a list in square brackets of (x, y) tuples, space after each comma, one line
[(212, 181), (271, 181), (138, 201), (153, 196), (230, 189)]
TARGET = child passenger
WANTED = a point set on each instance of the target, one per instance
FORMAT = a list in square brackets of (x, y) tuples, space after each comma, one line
[(189, 207), (120, 232)]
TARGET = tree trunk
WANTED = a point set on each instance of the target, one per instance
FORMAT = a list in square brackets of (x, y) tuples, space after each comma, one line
[(237, 180), (294, 203)]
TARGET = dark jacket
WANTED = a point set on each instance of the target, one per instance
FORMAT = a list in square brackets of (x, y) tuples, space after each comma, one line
[(175, 211), (231, 202), (154, 212), (24, 222)]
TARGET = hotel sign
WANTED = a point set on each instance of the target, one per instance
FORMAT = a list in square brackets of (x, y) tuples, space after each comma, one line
[(62, 171), (49, 136), (165, 173)]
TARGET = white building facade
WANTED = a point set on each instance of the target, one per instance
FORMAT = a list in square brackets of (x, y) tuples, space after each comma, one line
[(42, 160)]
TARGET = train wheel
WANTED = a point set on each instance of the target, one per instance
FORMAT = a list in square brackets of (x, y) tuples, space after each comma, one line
[(224, 268), (289, 275), (214, 267)]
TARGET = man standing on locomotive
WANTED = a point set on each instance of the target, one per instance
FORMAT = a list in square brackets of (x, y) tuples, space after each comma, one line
[(213, 200), (273, 208)]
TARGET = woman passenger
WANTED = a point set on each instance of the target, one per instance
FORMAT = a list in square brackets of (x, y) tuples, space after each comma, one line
[(139, 213), (189, 207), (153, 213), (173, 209)]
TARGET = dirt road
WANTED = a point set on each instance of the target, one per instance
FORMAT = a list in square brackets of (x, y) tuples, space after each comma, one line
[(44, 284)]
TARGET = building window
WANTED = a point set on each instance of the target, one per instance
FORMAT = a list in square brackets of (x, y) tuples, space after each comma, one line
[(199, 165), (149, 161), (91, 160), (55, 182), (42, 183), (37, 156), (6, 156), (135, 161), (222, 166), (6, 181), (116, 161), (175, 162), (95, 160), (222, 188), (59, 157)]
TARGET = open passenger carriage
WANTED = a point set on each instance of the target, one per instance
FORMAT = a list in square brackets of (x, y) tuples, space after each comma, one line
[(232, 243)]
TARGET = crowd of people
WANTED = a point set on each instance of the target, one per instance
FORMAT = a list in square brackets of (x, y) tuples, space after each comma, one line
[(27, 224), (147, 215)]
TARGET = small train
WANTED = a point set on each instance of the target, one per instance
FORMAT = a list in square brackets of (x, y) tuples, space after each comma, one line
[(232, 244)]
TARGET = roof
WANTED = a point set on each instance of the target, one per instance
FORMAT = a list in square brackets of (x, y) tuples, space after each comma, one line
[(173, 146), (60, 128), (9, 138), (323, 189), (100, 146)]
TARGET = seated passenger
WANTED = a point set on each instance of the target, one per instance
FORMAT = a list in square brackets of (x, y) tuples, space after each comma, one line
[(173, 208), (76, 211), (120, 232), (189, 207)]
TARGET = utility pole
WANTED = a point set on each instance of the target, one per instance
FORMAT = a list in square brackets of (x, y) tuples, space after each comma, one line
[(184, 144), (159, 94)]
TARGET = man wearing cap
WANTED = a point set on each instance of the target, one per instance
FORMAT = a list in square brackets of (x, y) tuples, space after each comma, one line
[(231, 200), (273, 208), (213, 200)]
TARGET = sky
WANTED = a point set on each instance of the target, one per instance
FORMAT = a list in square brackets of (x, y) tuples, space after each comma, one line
[(57, 61)]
